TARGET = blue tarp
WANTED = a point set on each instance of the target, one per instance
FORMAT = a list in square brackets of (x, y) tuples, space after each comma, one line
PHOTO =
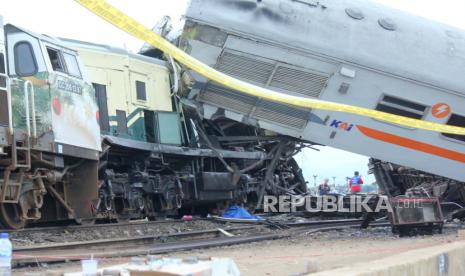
[(237, 212)]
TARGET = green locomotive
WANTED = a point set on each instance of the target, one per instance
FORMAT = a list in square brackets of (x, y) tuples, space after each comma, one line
[(91, 132)]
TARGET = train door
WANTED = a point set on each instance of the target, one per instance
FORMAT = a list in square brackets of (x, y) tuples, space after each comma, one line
[(30, 92)]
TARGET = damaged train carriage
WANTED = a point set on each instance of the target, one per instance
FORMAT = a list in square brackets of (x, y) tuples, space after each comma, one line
[(157, 159), (107, 139), (352, 52)]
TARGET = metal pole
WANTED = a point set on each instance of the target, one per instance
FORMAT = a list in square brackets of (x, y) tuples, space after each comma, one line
[(314, 182)]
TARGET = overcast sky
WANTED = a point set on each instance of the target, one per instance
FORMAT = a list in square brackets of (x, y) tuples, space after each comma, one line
[(65, 18)]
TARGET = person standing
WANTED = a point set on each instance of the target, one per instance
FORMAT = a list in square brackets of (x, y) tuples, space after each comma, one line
[(355, 183), (324, 188)]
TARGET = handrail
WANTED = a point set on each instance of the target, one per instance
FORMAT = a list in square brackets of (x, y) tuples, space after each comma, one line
[(6, 84), (26, 103), (8, 97), (33, 108), (10, 106)]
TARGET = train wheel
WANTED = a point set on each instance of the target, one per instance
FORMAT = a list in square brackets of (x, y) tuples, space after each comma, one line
[(122, 214), (10, 216)]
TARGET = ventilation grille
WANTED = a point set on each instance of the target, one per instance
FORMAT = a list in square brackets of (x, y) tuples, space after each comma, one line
[(298, 81), (253, 107), (24, 120), (227, 98), (271, 74), (281, 114), (245, 68)]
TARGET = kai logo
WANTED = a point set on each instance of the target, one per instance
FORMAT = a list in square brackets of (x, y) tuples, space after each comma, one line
[(342, 125)]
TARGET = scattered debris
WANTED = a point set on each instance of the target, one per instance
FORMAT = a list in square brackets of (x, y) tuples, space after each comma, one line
[(226, 233), (156, 266)]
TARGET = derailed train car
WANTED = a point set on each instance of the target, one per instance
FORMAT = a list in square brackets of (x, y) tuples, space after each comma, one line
[(107, 138), (352, 52), (157, 160)]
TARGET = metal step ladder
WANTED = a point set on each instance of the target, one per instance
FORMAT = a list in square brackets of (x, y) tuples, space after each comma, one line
[(20, 161), (20, 153), (20, 148)]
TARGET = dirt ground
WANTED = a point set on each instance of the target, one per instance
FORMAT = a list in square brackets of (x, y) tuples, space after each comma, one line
[(326, 250)]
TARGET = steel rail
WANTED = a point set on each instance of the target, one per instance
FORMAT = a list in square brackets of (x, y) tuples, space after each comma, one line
[(34, 229), (152, 245), (124, 241)]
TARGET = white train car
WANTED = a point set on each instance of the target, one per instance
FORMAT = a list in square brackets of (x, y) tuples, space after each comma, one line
[(353, 52)]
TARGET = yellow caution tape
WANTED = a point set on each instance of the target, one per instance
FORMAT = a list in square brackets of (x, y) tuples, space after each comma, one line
[(132, 27)]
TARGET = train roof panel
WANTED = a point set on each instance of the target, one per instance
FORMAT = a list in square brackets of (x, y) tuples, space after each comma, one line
[(355, 31), (112, 50), (42, 37)]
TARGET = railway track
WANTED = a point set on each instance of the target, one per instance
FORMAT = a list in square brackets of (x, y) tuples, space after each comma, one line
[(38, 229), (74, 227), (158, 244)]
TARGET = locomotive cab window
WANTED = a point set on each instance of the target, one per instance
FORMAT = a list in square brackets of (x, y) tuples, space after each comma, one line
[(25, 61), (141, 91), (72, 65), (56, 60), (456, 120), (401, 107)]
